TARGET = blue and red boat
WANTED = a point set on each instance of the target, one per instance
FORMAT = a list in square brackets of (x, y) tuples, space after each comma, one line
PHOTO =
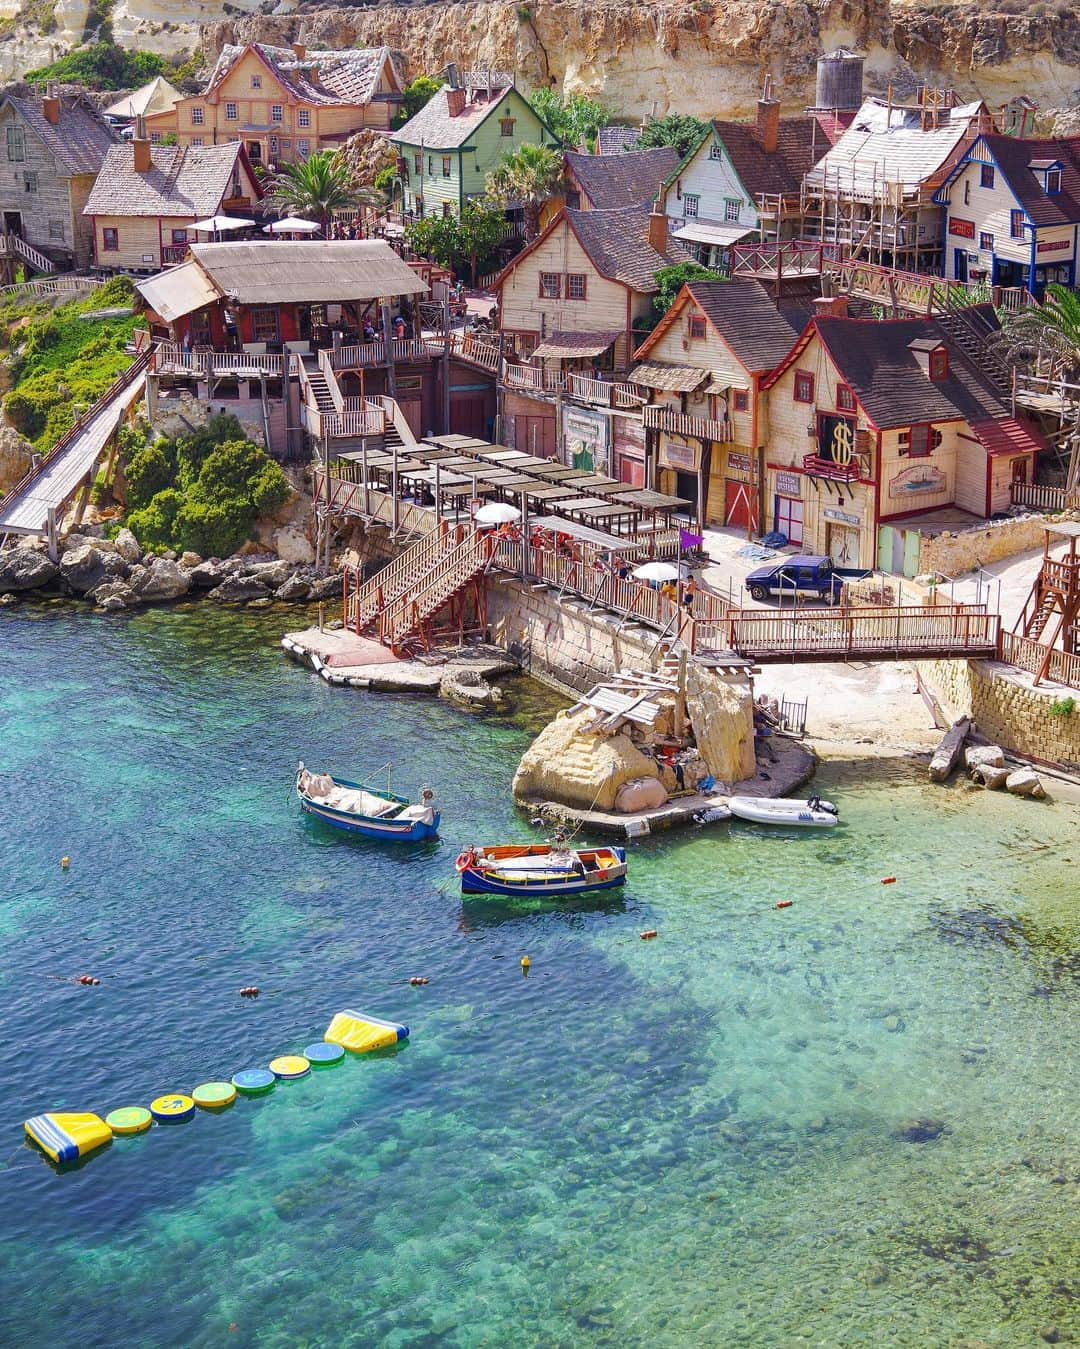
[(540, 869), (362, 809)]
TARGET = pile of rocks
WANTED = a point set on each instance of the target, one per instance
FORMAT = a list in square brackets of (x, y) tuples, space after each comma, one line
[(117, 574), (986, 766)]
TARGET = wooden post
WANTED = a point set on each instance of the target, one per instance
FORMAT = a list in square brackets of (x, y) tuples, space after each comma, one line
[(680, 697), (364, 471), (446, 365), (50, 532), (388, 343), (438, 496), (394, 504), (524, 535)]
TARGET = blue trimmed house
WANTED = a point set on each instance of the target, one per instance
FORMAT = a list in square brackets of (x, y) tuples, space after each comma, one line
[(1012, 212)]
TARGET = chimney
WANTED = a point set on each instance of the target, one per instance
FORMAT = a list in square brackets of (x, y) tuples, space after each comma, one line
[(658, 229), (768, 118), (452, 74), (140, 147), (831, 307), (50, 104), (455, 102), (299, 50)]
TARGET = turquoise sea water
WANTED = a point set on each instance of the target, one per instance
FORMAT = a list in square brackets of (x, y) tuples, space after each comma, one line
[(686, 1141)]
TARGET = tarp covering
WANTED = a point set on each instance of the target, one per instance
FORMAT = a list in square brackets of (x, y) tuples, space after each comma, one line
[(300, 271)]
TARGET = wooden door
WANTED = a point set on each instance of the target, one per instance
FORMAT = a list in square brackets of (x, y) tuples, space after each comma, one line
[(788, 518), (842, 544), (740, 504)]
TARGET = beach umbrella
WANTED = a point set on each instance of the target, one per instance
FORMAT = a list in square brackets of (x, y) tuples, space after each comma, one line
[(497, 513), (656, 571), (217, 224), (291, 224)]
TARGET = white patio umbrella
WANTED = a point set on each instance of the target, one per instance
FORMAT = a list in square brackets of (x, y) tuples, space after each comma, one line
[(291, 224), (497, 513), (656, 571), (219, 224)]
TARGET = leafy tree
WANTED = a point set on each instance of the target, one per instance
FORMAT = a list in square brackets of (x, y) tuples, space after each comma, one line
[(527, 176), (1048, 334), (421, 91), (677, 129), (148, 472), (670, 281), (575, 119), (153, 523), (313, 187), (192, 451), (455, 240), (102, 65)]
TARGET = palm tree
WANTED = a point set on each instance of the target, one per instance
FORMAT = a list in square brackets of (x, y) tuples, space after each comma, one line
[(313, 188), (527, 176)]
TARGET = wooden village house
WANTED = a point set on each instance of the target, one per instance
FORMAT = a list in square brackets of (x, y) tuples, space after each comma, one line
[(285, 103), (446, 151), (612, 182), (1012, 212), (873, 424), (147, 197), (53, 146)]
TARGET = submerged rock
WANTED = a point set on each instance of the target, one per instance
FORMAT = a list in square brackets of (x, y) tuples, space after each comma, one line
[(239, 590), (919, 1130), (469, 688), (26, 569), (113, 595)]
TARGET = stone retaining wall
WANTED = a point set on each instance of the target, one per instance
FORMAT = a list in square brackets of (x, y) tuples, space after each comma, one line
[(1006, 709), (953, 554)]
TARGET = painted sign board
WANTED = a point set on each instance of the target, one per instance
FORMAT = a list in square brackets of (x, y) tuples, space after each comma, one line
[(841, 517), (963, 229), (919, 480), (789, 484), (585, 435)]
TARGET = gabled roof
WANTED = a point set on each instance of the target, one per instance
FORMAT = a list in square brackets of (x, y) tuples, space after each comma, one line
[(800, 144), (743, 316), (350, 76), (307, 270), (78, 142), (435, 129), (874, 358), (615, 140), (182, 181), (1014, 158), (157, 96), (612, 182)]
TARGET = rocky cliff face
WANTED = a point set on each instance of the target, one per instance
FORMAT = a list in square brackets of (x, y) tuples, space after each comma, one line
[(701, 56)]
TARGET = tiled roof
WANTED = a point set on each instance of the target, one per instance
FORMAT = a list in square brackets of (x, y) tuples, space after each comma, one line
[(349, 76), (78, 142), (1014, 157), (614, 140), (873, 356), (181, 182), (435, 129), (617, 243), (748, 320), (1007, 435), (612, 182), (800, 143)]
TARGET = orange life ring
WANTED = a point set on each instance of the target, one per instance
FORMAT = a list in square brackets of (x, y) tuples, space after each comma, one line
[(465, 859)]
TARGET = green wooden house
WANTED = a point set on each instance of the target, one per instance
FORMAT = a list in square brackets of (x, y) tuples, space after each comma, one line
[(457, 138)]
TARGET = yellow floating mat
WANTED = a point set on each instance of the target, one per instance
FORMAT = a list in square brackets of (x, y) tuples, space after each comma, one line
[(359, 1032), (67, 1137)]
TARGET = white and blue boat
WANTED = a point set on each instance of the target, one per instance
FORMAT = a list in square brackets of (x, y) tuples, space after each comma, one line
[(540, 869), (361, 809)]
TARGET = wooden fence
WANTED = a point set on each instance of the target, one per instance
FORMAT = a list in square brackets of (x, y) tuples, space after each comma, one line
[(1029, 655)]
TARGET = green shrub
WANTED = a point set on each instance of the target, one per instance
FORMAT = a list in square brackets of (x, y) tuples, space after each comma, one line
[(153, 525), (148, 472), (1062, 707), (102, 65), (191, 451)]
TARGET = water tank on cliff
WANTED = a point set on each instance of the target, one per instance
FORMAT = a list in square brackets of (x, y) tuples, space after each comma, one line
[(839, 80)]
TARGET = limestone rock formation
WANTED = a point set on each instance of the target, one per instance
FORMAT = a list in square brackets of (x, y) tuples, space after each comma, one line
[(984, 756), (15, 457), (239, 590), (26, 569), (88, 566), (127, 545), (1024, 782), (294, 589), (469, 688), (990, 776), (722, 718), (292, 545), (164, 579), (576, 769)]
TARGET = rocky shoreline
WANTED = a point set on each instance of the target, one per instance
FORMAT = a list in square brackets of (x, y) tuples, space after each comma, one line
[(117, 574)]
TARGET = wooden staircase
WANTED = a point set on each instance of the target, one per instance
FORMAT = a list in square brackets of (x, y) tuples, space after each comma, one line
[(966, 328), (316, 380), (401, 601)]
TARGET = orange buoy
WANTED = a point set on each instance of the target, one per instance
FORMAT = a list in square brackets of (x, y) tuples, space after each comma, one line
[(648, 934), (888, 880), (785, 903), (250, 992), (416, 979)]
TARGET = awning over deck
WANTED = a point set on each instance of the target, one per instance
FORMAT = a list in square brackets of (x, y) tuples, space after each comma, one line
[(584, 534), (1007, 436), (568, 345), (179, 291), (719, 236)]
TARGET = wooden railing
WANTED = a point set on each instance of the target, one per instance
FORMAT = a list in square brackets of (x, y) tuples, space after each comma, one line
[(173, 253), (913, 292), (533, 377), (55, 285), (479, 350), (203, 361), (1029, 655), (470, 554), (365, 602), (347, 497), (11, 245), (794, 257), (818, 467), (683, 424), (392, 413), (1041, 496)]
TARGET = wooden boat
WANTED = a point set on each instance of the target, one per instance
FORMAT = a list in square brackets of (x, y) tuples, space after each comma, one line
[(812, 814), (540, 869), (361, 809)]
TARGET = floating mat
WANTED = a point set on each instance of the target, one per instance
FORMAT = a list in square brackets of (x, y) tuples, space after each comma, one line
[(67, 1137), (359, 1032), (254, 1081), (214, 1095), (290, 1066), (173, 1108), (129, 1119), (322, 1055)]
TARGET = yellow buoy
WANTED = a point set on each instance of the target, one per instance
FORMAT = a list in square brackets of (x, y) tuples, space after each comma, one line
[(525, 964), (65, 862)]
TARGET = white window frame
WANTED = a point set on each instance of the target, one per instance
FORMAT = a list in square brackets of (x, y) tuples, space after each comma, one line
[(303, 147), (232, 112), (277, 112), (303, 117), (732, 207), (198, 116), (256, 81), (691, 205), (716, 151), (16, 144)]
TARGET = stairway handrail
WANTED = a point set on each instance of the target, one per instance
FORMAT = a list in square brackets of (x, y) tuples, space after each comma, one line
[(391, 581), (464, 561)]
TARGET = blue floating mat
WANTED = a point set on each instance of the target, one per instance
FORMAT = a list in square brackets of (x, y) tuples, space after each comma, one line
[(322, 1055), (254, 1081)]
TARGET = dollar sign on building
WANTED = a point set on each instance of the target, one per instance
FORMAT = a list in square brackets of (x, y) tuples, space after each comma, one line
[(842, 444)]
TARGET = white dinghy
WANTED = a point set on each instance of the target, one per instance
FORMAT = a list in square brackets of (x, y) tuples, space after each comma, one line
[(811, 814)]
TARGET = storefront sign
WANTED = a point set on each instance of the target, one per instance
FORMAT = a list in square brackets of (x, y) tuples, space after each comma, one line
[(1053, 246), (738, 463), (585, 438), (841, 517), (919, 480), (678, 455), (789, 484), (963, 229)]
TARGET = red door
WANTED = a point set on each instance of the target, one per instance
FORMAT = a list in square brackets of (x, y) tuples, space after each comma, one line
[(740, 504)]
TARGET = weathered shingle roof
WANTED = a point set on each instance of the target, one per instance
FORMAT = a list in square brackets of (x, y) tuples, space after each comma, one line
[(302, 270), (801, 142), (181, 182), (1014, 158), (615, 140), (617, 243), (611, 182), (349, 76), (874, 357), (78, 142), (435, 129), (747, 319)]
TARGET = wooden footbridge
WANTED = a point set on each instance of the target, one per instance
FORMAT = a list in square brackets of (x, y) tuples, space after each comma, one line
[(33, 505)]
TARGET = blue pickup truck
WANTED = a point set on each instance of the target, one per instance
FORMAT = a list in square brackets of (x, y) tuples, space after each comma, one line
[(804, 574)]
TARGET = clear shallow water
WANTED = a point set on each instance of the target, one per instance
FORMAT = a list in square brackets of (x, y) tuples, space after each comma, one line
[(683, 1141)]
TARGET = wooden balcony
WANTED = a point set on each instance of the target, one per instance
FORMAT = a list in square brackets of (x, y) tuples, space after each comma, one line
[(818, 467), (683, 424)]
